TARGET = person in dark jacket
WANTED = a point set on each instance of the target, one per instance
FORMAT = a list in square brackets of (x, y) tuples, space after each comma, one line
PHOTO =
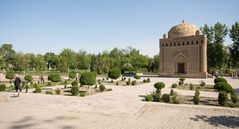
[(17, 83)]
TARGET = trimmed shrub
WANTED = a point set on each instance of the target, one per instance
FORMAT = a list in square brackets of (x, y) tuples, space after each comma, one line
[(28, 78), (223, 86), (128, 82), (174, 98), (58, 91), (148, 79), (65, 84), (234, 97), (133, 82), (166, 98), (54, 77), (88, 78), (174, 85), (191, 86), (49, 84), (82, 94), (222, 97), (144, 81), (102, 88), (202, 83), (171, 92), (74, 90), (148, 98), (99, 81), (219, 79), (117, 83), (2, 87), (49, 92), (196, 97), (137, 77), (72, 75), (158, 86), (114, 73), (182, 79), (37, 89), (180, 83), (10, 75), (156, 97), (74, 83)]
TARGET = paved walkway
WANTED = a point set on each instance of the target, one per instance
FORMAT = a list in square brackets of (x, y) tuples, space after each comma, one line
[(120, 108)]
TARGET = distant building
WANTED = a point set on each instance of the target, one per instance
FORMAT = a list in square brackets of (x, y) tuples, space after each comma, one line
[(183, 52)]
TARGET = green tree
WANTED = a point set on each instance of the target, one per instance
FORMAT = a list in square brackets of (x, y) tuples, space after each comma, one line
[(83, 60), (234, 49), (67, 60), (114, 73), (52, 60), (88, 78), (217, 53)]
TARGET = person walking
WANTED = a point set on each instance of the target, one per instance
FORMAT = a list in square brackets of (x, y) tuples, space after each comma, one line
[(17, 83)]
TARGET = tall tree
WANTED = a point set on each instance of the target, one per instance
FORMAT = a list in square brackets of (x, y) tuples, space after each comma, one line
[(234, 49), (83, 60), (217, 53), (67, 60)]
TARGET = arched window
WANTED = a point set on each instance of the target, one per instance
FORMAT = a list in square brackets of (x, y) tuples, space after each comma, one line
[(187, 43), (196, 41), (192, 42), (201, 41), (175, 44), (183, 43)]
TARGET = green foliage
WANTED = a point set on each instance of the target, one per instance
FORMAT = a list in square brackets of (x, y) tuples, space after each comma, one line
[(234, 49), (157, 97), (158, 86), (196, 97), (74, 83), (222, 97), (99, 81), (74, 90), (174, 85), (117, 83), (166, 98), (37, 89), (174, 98), (10, 75), (137, 77), (217, 54), (114, 73), (234, 97), (219, 79), (128, 82), (133, 82), (202, 83), (102, 88), (2, 87), (180, 83), (223, 86), (65, 84), (182, 80), (49, 92), (148, 79), (28, 78), (82, 94), (148, 98), (72, 75), (171, 92), (191, 86), (88, 78), (54, 77)]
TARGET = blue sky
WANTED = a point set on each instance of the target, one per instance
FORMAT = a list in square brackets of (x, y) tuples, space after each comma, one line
[(40, 26)]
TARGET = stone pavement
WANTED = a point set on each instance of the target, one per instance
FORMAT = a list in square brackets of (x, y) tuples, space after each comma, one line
[(120, 108)]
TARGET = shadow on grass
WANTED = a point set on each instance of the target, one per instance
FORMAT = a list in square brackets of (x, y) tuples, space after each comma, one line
[(227, 121)]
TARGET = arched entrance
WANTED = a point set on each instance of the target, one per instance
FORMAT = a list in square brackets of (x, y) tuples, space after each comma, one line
[(180, 64)]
